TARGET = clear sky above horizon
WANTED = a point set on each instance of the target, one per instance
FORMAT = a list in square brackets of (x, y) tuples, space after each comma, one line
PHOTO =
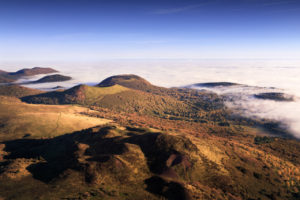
[(70, 30)]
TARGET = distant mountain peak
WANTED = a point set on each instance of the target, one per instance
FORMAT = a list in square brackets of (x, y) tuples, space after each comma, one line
[(52, 78), (129, 81), (8, 77), (34, 71)]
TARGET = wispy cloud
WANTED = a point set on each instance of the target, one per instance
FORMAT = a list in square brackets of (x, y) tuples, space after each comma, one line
[(280, 2), (269, 5), (177, 9)]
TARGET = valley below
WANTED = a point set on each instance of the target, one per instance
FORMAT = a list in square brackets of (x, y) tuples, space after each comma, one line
[(125, 138)]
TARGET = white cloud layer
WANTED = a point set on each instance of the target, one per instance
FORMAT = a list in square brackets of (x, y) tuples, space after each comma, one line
[(283, 75)]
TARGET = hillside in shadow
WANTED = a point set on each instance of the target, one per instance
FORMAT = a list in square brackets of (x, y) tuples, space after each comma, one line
[(125, 163)]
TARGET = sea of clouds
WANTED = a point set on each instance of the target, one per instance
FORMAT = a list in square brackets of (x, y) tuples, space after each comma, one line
[(257, 75)]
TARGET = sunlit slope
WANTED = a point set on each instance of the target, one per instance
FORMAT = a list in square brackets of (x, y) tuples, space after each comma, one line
[(116, 97), (130, 93), (133, 94), (81, 94), (19, 119)]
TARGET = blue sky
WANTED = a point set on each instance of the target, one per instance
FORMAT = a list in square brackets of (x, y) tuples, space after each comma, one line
[(70, 30)]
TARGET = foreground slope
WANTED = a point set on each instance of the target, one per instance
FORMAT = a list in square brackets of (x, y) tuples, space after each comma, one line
[(114, 162)]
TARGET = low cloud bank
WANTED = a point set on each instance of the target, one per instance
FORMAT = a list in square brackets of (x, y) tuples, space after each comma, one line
[(243, 101), (263, 75)]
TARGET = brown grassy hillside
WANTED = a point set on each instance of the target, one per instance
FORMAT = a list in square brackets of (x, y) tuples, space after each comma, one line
[(136, 95), (115, 97)]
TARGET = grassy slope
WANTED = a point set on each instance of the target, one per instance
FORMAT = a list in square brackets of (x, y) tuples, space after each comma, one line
[(18, 119), (132, 94), (94, 94), (81, 94), (138, 96), (116, 97)]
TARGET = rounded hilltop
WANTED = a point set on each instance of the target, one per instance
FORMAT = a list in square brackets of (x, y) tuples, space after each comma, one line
[(127, 80)]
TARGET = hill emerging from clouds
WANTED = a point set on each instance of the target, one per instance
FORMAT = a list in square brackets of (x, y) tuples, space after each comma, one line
[(51, 78), (9, 77), (130, 93)]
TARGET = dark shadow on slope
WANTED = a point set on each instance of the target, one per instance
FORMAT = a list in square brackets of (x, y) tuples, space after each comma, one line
[(53, 157), (46, 172), (93, 150), (160, 148), (170, 190)]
